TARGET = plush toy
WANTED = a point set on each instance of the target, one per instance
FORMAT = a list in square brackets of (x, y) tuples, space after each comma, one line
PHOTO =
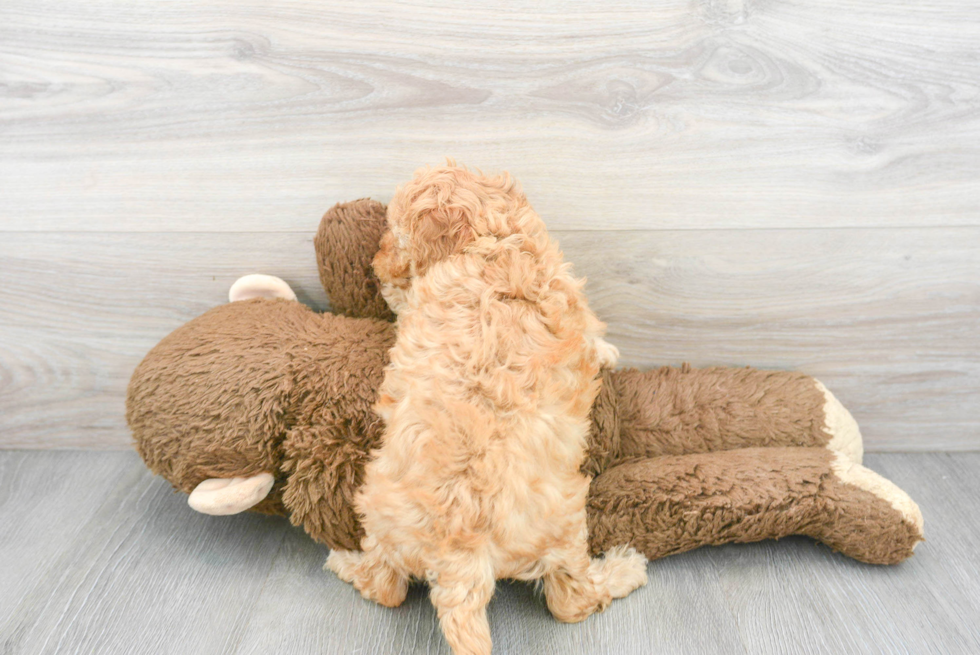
[(264, 404)]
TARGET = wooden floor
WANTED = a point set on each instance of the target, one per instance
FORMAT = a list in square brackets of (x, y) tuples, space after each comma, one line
[(780, 184), (99, 556)]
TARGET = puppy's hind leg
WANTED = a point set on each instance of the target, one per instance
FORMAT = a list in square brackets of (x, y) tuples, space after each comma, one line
[(460, 597), (569, 588), (371, 574), (577, 586)]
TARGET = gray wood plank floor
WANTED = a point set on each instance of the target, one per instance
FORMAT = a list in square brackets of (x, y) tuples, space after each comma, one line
[(99, 556)]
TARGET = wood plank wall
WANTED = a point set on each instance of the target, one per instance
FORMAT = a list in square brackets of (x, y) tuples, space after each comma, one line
[(779, 184)]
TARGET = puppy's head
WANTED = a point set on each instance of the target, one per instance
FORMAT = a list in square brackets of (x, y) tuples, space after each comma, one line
[(441, 212)]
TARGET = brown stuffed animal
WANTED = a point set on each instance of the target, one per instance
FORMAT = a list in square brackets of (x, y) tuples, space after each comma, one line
[(264, 404)]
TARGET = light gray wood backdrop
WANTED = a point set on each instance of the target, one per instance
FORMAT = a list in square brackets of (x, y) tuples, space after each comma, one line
[(780, 184)]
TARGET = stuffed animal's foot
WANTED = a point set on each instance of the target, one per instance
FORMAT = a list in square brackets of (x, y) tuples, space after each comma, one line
[(845, 437), (224, 496), (260, 286), (620, 570), (856, 475), (370, 574), (873, 520), (608, 353)]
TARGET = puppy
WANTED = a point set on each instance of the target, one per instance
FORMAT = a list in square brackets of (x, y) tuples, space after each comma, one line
[(486, 404)]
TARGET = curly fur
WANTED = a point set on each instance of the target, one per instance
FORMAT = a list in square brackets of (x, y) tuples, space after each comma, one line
[(486, 402)]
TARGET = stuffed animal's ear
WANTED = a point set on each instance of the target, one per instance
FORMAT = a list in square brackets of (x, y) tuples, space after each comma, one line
[(347, 241), (257, 285), (221, 496)]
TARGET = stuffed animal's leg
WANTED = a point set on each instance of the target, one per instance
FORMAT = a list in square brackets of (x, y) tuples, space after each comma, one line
[(670, 504), (677, 411), (224, 496), (259, 286)]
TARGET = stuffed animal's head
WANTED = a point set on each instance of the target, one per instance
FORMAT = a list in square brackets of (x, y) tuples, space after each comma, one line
[(345, 244)]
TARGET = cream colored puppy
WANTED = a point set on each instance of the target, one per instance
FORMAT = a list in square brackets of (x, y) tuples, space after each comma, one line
[(486, 403)]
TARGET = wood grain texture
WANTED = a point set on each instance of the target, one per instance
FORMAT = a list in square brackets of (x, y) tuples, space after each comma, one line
[(102, 557), (777, 184), (158, 116), (886, 318)]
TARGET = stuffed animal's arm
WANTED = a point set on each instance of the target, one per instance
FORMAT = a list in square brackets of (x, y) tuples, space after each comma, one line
[(679, 411), (347, 241), (324, 465), (671, 504)]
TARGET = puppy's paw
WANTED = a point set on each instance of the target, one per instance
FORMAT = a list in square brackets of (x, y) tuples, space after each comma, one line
[(343, 563), (375, 580), (576, 608), (621, 570), (608, 354), (573, 599), (396, 295)]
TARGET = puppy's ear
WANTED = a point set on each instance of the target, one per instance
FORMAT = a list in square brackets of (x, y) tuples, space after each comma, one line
[(440, 212), (439, 233)]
